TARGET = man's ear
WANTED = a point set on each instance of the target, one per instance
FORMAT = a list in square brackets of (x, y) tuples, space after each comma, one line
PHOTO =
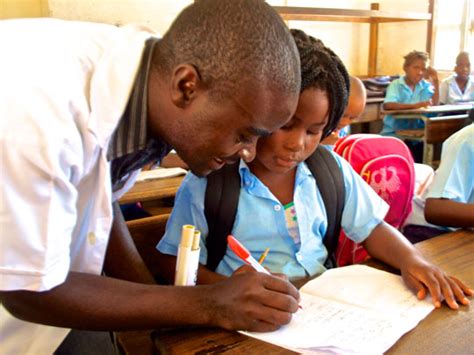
[(185, 82)]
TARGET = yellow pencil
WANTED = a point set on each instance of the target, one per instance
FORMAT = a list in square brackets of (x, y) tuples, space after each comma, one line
[(263, 256)]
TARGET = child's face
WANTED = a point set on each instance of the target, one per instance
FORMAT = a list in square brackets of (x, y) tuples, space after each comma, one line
[(463, 67), (415, 71), (355, 108), (285, 148)]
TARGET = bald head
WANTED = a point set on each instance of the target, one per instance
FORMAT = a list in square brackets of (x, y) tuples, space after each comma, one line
[(233, 43), (356, 103)]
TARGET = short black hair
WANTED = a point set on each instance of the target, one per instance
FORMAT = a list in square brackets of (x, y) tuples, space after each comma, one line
[(321, 68), (462, 55), (233, 43), (414, 55)]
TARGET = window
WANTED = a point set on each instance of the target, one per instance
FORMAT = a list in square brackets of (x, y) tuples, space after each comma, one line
[(454, 29)]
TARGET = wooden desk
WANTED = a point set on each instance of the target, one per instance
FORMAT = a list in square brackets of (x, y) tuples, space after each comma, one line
[(437, 128), (373, 108), (153, 190), (444, 331)]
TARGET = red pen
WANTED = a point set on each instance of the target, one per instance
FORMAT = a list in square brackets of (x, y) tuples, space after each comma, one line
[(245, 255)]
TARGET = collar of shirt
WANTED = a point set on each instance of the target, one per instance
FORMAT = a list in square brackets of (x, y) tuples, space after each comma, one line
[(418, 87), (454, 84), (253, 184), (131, 147)]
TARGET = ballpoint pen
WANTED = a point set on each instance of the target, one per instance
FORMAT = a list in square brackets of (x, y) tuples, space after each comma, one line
[(245, 255)]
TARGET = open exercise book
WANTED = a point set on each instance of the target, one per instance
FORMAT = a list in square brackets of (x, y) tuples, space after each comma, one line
[(160, 173), (355, 309)]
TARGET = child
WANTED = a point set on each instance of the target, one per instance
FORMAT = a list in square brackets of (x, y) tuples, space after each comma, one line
[(409, 92), (450, 197), (458, 87), (355, 108), (448, 201), (280, 206)]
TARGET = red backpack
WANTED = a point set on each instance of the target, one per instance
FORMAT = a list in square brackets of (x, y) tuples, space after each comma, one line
[(387, 165)]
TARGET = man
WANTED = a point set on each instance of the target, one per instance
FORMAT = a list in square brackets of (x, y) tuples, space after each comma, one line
[(84, 107)]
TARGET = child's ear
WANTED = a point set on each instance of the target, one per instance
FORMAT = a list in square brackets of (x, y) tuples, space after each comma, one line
[(185, 82)]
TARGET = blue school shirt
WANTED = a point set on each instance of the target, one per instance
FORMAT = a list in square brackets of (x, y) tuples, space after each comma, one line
[(260, 221), (454, 178), (399, 91)]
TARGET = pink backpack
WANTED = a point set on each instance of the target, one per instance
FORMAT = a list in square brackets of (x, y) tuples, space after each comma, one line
[(387, 165)]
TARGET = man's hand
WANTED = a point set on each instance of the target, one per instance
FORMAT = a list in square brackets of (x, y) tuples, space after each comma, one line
[(421, 276), (247, 268), (252, 301)]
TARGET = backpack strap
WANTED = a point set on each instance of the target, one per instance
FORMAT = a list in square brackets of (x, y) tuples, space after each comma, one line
[(222, 198), (220, 209), (329, 178)]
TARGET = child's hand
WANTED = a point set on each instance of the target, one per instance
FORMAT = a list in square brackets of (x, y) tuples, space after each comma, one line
[(420, 276), (431, 74), (423, 104)]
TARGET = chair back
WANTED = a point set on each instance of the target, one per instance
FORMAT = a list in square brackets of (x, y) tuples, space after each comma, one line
[(146, 233)]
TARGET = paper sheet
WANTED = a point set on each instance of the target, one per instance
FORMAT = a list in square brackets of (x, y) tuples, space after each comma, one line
[(160, 173), (350, 310)]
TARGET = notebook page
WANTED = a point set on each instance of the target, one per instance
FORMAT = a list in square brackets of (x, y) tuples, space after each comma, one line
[(355, 309)]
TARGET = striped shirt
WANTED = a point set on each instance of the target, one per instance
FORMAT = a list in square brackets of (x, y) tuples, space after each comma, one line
[(131, 147)]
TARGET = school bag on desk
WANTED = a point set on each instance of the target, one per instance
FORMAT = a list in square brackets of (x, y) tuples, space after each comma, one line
[(387, 165), (222, 198)]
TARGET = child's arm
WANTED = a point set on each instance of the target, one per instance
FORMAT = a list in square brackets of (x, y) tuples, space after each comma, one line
[(400, 106), (394, 100), (432, 75), (449, 213), (390, 246)]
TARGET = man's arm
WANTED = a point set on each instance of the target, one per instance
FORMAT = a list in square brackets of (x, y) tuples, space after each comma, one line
[(252, 301), (167, 265), (449, 213), (122, 260)]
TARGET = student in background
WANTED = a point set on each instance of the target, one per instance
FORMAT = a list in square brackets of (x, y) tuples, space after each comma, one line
[(411, 91), (84, 106), (355, 108), (459, 86), (280, 206), (450, 197), (447, 202)]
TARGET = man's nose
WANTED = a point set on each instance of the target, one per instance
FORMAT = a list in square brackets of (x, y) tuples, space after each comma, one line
[(248, 153)]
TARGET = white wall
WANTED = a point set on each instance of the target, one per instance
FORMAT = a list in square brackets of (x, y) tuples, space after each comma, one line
[(349, 40), (158, 14)]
